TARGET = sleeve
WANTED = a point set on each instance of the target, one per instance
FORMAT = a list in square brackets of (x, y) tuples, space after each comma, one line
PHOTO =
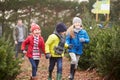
[(25, 43), (26, 31), (87, 39), (48, 43), (67, 39), (43, 45), (66, 45), (14, 34)]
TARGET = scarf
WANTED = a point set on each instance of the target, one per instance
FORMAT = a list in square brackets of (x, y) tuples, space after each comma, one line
[(36, 54)]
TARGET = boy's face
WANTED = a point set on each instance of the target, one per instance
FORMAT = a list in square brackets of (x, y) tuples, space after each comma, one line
[(19, 22), (63, 33), (36, 32)]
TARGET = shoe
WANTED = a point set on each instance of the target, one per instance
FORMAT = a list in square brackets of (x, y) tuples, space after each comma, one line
[(33, 78), (23, 58)]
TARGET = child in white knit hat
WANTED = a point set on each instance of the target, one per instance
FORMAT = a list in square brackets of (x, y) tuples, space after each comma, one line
[(76, 36)]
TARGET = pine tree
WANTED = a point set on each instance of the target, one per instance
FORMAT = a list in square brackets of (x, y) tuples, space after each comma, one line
[(107, 57), (9, 66)]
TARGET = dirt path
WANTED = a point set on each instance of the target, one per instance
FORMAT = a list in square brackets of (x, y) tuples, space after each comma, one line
[(43, 71)]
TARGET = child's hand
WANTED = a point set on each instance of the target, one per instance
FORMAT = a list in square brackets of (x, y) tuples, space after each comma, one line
[(48, 55), (16, 42), (82, 40), (24, 51), (70, 46)]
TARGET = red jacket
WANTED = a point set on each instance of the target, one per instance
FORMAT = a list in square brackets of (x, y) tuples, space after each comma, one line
[(29, 42)]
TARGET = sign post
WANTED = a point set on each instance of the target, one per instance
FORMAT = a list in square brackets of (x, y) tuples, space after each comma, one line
[(101, 7)]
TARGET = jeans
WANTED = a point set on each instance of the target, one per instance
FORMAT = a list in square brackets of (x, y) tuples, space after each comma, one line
[(52, 62), (34, 64), (18, 49)]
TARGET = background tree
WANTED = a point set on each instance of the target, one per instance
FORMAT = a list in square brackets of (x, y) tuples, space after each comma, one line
[(48, 12), (9, 66)]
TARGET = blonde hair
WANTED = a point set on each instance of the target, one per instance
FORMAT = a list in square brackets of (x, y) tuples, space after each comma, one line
[(70, 31)]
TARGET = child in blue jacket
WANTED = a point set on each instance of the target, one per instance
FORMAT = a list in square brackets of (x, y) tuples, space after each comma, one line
[(76, 37)]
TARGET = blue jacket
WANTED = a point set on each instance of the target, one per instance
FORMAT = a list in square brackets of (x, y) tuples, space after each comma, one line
[(77, 45)]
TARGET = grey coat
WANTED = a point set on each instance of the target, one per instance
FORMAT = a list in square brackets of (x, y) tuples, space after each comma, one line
[(16, 32)]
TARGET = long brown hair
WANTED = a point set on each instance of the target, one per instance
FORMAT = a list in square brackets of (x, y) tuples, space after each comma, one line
[(70, 31)]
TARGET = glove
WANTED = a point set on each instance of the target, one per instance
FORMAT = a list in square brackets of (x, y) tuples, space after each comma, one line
[(48, 55), (24, 51), (70, 46), (82, 40)]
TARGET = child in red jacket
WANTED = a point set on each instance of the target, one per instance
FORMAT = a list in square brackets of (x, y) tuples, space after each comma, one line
[(35, 43)]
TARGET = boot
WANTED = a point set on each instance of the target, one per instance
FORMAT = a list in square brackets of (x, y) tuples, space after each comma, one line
[(50, 76), (72, 72), (33, 78), (59, 76)]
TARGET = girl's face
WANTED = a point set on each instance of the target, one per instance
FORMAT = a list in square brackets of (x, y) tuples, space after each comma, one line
[(77, 25), (36, 32)]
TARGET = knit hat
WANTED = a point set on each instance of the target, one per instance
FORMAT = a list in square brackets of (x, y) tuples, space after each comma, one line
[(61, 27), (34, 26), (77, 19)]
